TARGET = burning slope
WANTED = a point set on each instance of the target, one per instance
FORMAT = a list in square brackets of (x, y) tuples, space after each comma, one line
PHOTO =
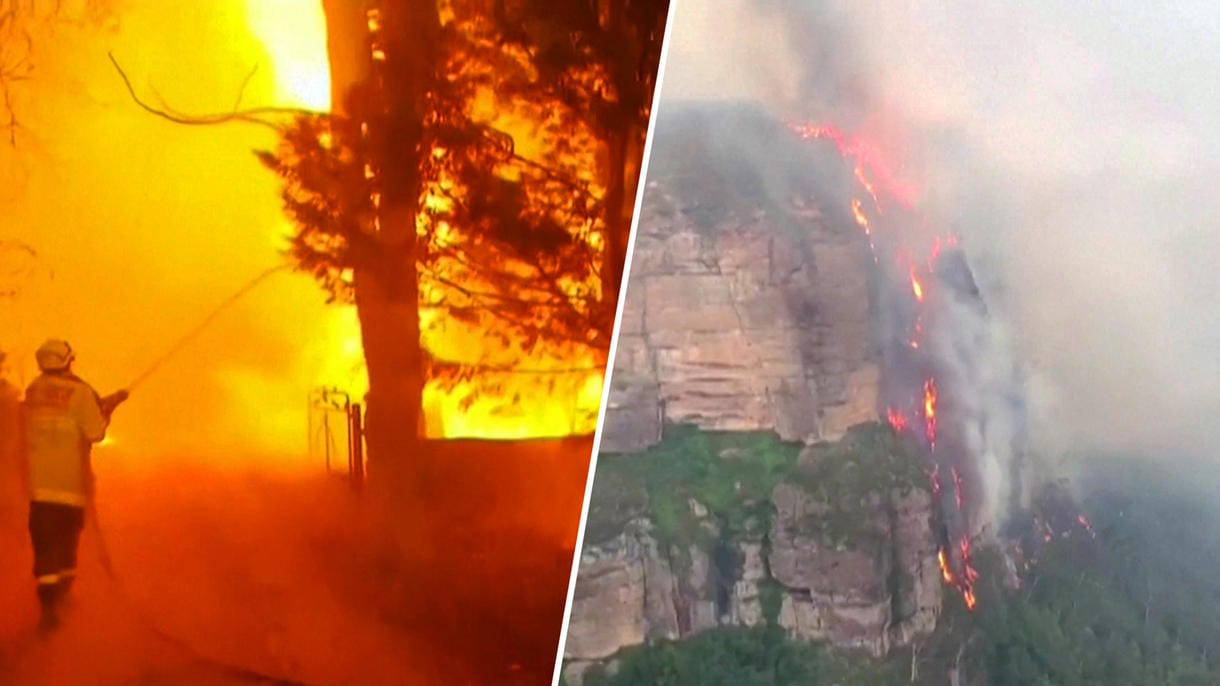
[(909, 257)]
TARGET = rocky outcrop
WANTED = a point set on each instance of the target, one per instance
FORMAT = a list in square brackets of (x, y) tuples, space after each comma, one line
[(745, 321), (856, 569), (881, 590), (749, 309)]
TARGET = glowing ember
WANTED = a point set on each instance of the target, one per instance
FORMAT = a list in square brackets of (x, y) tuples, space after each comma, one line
[(945, 572), (1087, 526), (916, 286), (857, 209), (896, 419), (929, 410)]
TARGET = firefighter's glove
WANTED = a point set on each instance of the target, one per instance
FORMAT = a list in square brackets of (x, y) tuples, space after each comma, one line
[(112, 401)]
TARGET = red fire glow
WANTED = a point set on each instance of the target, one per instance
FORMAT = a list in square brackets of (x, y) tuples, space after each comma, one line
[(1087, 526), (897, 420), (929, 410), (881, 186), (871, 168)]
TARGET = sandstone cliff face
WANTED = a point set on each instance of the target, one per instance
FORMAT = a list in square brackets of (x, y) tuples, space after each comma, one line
[(749, 309), (856, 568), (742, 321)]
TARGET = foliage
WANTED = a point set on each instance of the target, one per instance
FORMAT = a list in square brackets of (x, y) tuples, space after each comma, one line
[(741, 657), (1136, 605), (734, 474), (854, 475), (731, 474), (513, 221)]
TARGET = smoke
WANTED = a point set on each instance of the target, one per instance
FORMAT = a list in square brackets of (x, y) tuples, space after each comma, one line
[(142, 227), (1071, 148), (290, 575)]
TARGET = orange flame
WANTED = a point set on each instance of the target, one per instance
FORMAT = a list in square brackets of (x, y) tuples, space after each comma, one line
[(857, 209), (562, 390), (873, 173), (871, 168), (929, 409), (945, 572)]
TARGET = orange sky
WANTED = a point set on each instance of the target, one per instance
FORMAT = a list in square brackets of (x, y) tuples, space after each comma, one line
[(148, 225)]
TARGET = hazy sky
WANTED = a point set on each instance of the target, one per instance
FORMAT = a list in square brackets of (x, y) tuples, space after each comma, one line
[(1075, 148)]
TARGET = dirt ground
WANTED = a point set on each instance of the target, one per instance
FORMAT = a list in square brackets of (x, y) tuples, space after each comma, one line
[(276, 574)]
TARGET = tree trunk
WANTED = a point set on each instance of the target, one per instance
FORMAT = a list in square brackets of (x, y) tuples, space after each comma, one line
[(409, 38), (347, 50), (396, 81), (618, 214)]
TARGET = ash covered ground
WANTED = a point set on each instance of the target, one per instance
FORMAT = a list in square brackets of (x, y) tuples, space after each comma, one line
[(282, 575)]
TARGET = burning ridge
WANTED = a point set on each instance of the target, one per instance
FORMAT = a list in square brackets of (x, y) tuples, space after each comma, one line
[(923, 290)]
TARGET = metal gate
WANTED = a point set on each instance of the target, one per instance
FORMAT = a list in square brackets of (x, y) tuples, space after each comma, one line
[(336, 434)]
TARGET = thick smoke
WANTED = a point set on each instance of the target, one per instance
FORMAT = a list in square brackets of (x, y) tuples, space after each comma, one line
[(142, 227), (1070, 148)]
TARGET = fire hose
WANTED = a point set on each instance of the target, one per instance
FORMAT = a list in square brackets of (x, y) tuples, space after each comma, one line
[(207, 321), (103, 549)]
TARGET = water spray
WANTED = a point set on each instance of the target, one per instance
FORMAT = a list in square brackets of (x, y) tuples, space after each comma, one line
[(203, 325), (244, 673)]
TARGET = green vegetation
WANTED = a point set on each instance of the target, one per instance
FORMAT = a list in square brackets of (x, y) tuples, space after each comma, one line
[(771, 598), (741, 657), (731, 474), (852, 477), (1138, 606), (734, 474)]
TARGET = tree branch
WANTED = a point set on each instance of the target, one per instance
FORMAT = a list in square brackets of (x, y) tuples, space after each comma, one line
[(248, 116)]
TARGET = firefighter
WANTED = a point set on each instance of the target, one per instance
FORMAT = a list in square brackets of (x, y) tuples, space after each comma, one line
[(63, 418)]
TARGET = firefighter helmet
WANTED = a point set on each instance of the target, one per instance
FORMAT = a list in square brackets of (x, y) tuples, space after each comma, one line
[(54, 355)]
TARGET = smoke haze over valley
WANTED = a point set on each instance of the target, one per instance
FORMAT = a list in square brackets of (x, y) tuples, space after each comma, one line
[(1069, 148)]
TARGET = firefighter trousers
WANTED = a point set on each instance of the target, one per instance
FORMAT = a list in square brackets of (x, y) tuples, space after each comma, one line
[(55, 531)]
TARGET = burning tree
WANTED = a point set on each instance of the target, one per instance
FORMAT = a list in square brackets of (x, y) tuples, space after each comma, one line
[(412, 202)]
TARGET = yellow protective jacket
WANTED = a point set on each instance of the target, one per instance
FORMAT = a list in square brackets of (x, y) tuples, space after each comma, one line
[(63, 418)]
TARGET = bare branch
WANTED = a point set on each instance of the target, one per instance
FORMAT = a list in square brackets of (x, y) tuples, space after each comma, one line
[(247, 116)]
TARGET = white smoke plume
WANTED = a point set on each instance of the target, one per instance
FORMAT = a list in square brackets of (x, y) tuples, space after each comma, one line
[(1073, 150)]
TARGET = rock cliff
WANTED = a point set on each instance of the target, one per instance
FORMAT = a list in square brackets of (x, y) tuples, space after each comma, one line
[(840, 550), (745, 479), (743, 313)]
